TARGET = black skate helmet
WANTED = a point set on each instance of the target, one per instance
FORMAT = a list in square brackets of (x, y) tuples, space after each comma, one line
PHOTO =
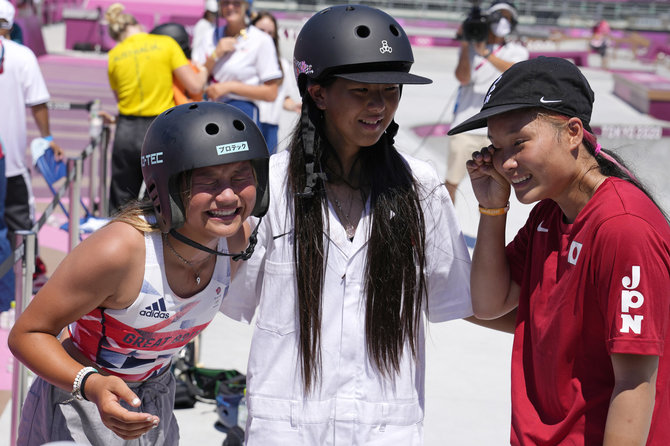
[(178, 33), (354, 42), (193, 135)]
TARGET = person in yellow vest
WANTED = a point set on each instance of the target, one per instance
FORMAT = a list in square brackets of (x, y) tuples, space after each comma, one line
[(140, 69)]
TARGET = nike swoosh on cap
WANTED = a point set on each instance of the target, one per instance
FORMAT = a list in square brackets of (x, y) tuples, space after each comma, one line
[(549, 101)]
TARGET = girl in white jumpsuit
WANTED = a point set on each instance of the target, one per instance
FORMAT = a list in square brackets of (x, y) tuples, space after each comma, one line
[(358, 244)]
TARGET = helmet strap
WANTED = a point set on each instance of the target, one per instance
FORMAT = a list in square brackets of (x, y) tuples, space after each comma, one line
[(244, 255), (308, 136)]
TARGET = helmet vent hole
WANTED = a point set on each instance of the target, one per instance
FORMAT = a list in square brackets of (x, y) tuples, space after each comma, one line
[(394, 30), (193, 106), (239, 125), (363, 31), (212, 129)]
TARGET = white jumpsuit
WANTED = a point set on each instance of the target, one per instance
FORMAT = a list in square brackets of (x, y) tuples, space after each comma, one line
[(353, 404)]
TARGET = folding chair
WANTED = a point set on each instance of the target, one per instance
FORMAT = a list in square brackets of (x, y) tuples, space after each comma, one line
[(53, 171)]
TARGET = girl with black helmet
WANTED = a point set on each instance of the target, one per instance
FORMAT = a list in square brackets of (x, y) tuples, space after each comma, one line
[(137, 290), (360, 240)]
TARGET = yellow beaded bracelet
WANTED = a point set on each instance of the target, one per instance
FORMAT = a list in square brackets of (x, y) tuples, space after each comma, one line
[(494, 211)]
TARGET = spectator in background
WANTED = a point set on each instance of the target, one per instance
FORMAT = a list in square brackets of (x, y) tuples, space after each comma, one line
[(16, 34), (242, 59), (179, 34), (205, 26), (6, 281), (141, 68), (270, 112), (21, 86), (600, 40), (479, 64)]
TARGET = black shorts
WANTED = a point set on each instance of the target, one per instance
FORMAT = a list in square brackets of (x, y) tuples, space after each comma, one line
[(17, 206)]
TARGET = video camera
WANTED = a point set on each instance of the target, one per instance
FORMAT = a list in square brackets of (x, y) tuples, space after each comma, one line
[(476, 26)]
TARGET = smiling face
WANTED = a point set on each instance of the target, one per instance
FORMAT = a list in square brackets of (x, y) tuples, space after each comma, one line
[(220, 199), (538, 158), (356, 114)]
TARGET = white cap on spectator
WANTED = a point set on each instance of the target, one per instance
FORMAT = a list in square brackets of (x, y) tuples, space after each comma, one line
[(210, 5), (7, 14)]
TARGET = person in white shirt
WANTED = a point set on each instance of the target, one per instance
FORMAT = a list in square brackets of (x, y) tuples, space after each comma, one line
[(359, 246), (205, 26), (270, 112), (242, 61), (21, 86), (480, 62)]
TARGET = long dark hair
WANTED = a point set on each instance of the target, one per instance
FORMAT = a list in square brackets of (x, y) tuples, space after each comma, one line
[(395, 283), (275, 37)]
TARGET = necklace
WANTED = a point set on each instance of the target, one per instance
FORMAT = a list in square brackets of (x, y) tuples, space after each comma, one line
[(348, 227), (187, 262)]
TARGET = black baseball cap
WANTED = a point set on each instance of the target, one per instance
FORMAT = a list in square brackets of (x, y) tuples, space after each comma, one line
[(551, 83)]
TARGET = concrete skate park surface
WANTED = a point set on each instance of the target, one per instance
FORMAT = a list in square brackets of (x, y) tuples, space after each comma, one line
[(467, 367)]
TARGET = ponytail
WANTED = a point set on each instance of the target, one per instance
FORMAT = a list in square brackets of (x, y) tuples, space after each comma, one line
[(611, 165)]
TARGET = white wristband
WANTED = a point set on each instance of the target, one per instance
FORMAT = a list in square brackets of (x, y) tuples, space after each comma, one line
[(76, 386)]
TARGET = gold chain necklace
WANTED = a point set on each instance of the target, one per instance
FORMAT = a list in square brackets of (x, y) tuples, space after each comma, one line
[(187, 262)]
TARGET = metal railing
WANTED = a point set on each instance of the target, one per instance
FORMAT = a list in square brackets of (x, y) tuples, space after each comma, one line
[(22, 259), (549, 12)]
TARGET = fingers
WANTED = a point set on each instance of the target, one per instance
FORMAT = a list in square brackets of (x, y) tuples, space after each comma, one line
[(489, 185), (59, 154), (107, 118), (226, 45), (481, 161), (107, 392), (129, 430), (212, 92), (128, 395), (484, 155), (218, 89)]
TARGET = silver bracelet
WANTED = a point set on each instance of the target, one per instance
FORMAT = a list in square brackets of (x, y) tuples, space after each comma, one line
[(78, 380)]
